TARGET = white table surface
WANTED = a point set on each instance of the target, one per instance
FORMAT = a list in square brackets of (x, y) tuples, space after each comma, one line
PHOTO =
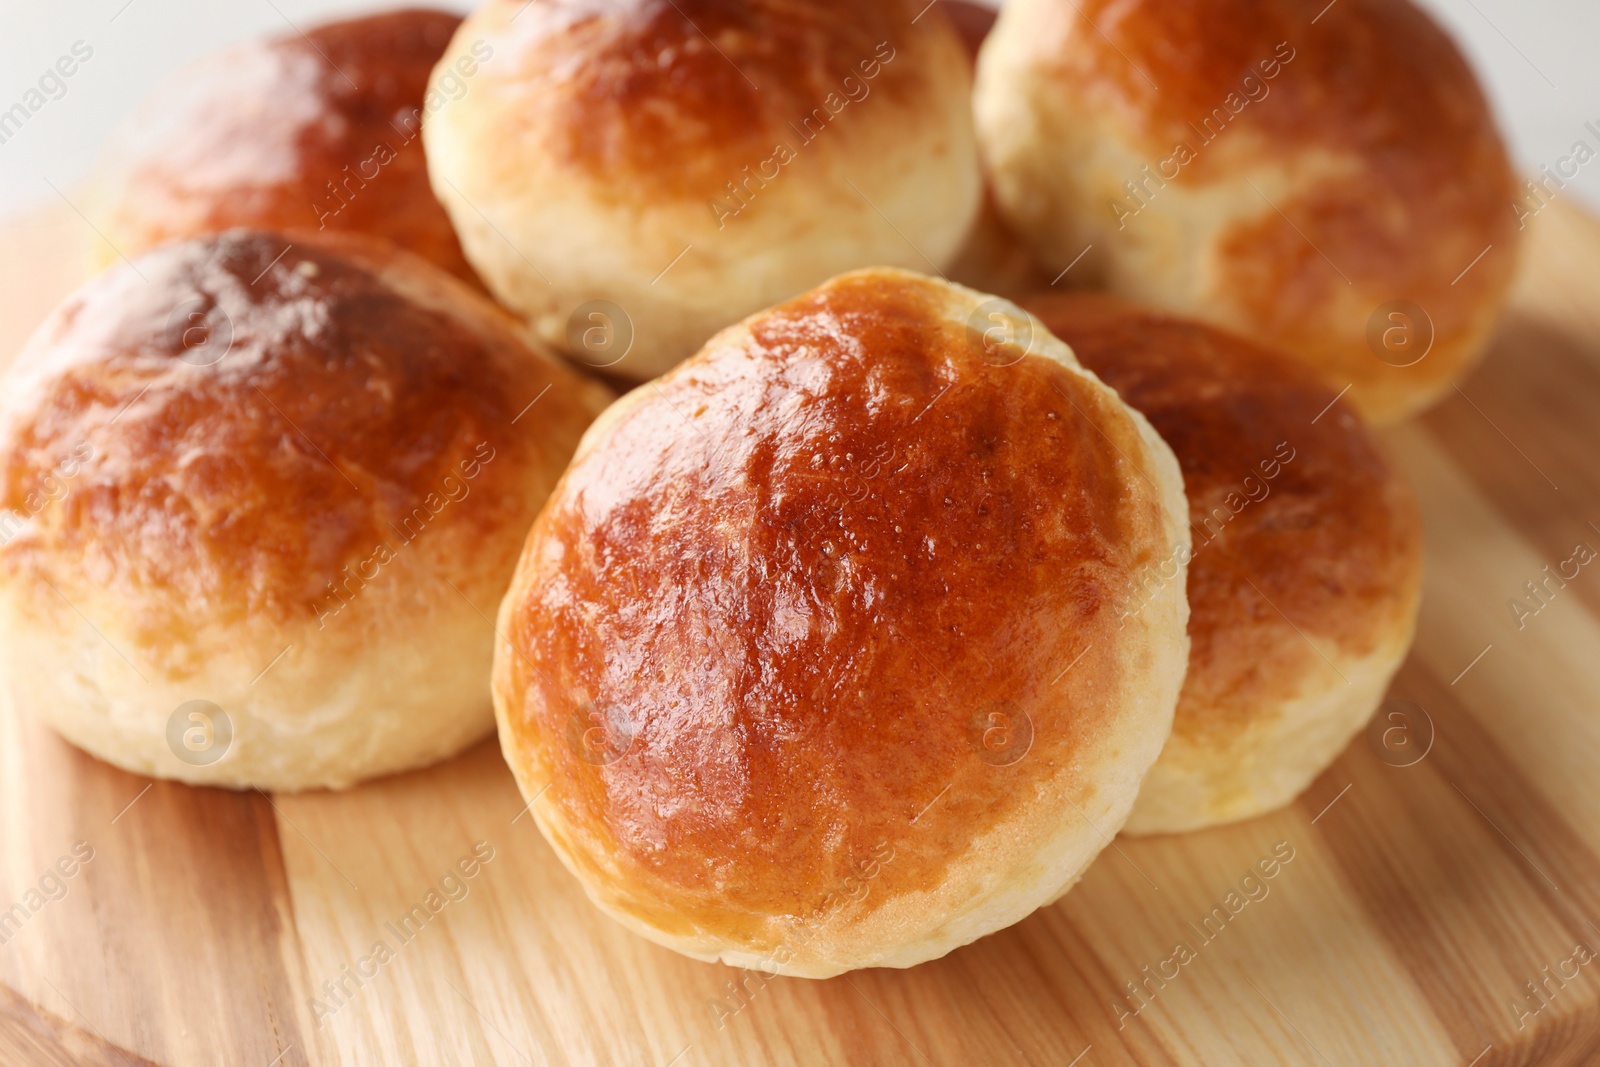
[(1540, 59)]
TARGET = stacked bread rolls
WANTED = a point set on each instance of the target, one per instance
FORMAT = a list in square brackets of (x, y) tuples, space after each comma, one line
[(877, 577)]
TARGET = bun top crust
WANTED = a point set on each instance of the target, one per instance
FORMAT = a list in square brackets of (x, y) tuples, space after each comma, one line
[(806, 603), (1378, 80), (1294, 512), (309, 131), (672, 98), (1381, 73), (1374, 78), (212, 433)]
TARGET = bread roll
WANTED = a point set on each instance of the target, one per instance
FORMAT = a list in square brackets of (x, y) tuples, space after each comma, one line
[(1307, 559), (320, 131), (815, 659), (643, 173), (286, 488), (1329, 184)]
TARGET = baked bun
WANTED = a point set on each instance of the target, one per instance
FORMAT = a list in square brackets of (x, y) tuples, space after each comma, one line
[(632, 176), (317, 131), (814, 659), (280, 490), (1333, 186), (1306, 571)]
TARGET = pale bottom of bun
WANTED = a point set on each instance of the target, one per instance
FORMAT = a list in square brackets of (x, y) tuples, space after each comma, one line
[(329, 714), (1198, 784)]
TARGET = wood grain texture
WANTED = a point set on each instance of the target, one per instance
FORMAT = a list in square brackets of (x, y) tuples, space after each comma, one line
[(1419, 903)]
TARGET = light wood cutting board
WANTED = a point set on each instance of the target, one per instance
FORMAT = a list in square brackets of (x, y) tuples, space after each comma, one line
[(1419, 903)]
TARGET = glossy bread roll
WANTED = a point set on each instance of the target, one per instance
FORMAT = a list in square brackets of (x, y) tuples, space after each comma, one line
[(633, 176), (815, 661), (1333, 186), (1306, 572), (320, 132), (257, 506)]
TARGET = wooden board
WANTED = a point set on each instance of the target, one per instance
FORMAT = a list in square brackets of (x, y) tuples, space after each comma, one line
[(1419, 902)]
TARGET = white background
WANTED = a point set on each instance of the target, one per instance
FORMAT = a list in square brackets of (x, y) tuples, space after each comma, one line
[(1539, 58)]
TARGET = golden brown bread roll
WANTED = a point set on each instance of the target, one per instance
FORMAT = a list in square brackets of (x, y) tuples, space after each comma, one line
[(320, 132), (815, 658), (1306, 572), (287, 487), (1323, 185), (671, 166)]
